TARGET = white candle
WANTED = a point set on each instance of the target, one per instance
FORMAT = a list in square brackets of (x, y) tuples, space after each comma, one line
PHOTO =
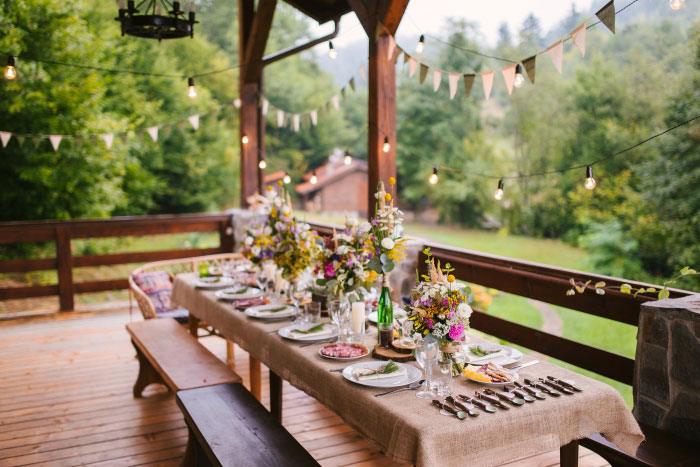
[(357, 316)]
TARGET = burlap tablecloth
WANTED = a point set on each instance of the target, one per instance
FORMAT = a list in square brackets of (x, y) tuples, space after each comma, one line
[(410, 429)]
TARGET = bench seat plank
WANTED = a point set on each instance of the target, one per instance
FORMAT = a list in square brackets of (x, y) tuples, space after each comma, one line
[(234, 429), (177, 357)]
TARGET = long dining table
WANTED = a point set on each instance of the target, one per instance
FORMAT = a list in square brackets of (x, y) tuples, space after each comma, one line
[(412, 430)]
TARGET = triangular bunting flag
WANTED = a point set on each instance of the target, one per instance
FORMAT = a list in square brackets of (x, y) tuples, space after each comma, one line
[(153, 132), (556, 53), (336, 102), (391, 48), (237, 103), (314, 117), (265, 106), (280, 119), (194, 121), (607, 15), (352, 83), (342, 92), (487, 81), (453, 80), (295, 121), (363, 73), (20, 139), (509, 77), (180, 126), (423, 73), (529, 65), (437, 78), (37, 141), (406, 58), (412, 66), (579, 36), (5, 137), (124, 137), (108, 138), (166, 130), (468, 83), (55, 141)]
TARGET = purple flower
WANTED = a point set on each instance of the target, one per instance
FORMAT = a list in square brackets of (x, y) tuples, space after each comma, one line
[(429, 323), (445, 302), (329, 270), (456, 331)]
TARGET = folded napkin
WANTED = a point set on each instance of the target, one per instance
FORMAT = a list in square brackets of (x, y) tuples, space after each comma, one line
[(326, 331), (272, 310), (474, 359), (250, 302), (365, 374)]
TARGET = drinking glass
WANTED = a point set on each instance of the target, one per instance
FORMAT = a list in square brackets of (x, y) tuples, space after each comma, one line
[(313, 312), (444, 377), (296, 295), (407, 329), (346, 334), (427, 352), (339, 311)]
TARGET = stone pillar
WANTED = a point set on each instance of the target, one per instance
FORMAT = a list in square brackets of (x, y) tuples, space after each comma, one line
[(667, 366)]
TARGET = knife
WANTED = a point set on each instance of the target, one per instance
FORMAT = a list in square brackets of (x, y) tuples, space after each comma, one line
[(554, 385), (565, 383), (478, 403)]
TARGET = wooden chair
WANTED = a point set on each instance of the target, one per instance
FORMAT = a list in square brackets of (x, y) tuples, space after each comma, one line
[(172, 267)]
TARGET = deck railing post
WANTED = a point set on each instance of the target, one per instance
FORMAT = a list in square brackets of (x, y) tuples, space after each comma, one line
[(64, 260), (226, 235)]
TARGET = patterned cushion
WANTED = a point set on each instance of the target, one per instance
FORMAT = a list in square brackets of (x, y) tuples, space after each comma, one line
[(157, 286)]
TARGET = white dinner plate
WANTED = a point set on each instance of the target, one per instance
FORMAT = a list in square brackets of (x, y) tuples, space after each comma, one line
[(213, 282), (287, 332), (366, 352), (258, 312), (244, 292), (412, 375), (516, 376), (510, 357), (399, 313)]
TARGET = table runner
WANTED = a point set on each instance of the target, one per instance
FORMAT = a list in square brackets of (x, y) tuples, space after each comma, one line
[(409, 429)]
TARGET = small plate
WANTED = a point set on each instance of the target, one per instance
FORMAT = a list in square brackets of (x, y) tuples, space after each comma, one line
[(364, 349), (412, 375), (213, 282), (329, 332), (258, 312), (227, 294), (399, 313), (510, 357), (495, 385)]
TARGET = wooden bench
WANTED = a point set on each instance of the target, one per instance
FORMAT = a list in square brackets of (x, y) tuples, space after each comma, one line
[(229, 427), (169, 355), (658, 449)]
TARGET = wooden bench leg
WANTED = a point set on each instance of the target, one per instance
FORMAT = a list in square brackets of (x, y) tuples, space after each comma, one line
[(193, 325), (194, 454), (568, 454), (255, 378), (276, 396), (230, 355), (147, 374)]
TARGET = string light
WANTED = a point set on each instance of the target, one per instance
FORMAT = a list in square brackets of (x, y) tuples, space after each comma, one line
[(244, 139), (262, 164), (590, 181), (10, 71), (191, 89), (287, 179), (348, 158), (421, 44), (519, 78), (499, 191), (677, 4), (386, 147), (314, 179), (331, 51), (433, 179)]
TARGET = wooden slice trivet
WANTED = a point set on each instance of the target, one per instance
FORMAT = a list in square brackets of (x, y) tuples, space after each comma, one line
[(381, 353), (396, 345)]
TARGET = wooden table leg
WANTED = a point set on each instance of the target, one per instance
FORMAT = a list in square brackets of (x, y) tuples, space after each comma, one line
[(193, 325), (230, 355), (276, 396), (568, 454), (255, 378)]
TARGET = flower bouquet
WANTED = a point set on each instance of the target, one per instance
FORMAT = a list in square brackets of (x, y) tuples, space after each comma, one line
[(439, 307)]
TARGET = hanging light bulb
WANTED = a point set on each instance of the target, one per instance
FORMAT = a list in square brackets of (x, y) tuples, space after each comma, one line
[(10, 71), (331, 51), (519, 78), (262, 164), (421, 44), (314, 179), (433, 179), (287, 179), (244, 139), (499, 191), (191, 89), (348, 158), (590, 181), (386, 147), (677, 4)]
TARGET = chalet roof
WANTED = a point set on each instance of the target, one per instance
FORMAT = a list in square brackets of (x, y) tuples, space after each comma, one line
[(321, 10), (330, 172)]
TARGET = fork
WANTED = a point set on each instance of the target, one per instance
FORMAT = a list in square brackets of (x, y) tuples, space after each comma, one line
[(324, 341)]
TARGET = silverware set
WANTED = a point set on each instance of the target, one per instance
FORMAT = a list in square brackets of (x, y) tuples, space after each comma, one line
[(410, 387)]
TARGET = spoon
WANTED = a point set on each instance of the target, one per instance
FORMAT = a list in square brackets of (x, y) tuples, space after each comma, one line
[(556, 386), (566, 383), (450, 410), (482, 405), (517, 392), (532, 392), (506, 396), (542, 387), (412, 387), (492, 400), (470, 410)]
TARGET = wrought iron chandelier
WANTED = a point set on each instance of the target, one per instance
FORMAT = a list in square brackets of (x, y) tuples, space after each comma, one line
[(156, 19)]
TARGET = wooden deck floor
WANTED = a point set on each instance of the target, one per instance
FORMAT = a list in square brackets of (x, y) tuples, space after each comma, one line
[(65, 399)]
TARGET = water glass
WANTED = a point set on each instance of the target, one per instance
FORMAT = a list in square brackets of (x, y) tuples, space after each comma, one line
[(407, 333), (313, 312), (346, 334), (444, 377), (426, 353), (339, 311)]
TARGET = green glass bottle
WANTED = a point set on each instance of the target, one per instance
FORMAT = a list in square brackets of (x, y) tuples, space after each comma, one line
[(385, 314)]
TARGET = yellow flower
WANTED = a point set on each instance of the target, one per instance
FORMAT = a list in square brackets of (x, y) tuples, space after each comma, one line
[(387, 197), (450, 278), (280, 182), (392, 181), (269, 187)]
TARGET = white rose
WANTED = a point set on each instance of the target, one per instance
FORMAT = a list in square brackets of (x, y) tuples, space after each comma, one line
[(351, 222), (249, 240), (464, 310), (267, 230), (286, 211), (387, 243), (255, 250), (365, 227)]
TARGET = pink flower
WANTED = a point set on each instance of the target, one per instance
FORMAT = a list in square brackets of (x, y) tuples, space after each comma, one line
[(330, 272), (456, 331), (429, 323)]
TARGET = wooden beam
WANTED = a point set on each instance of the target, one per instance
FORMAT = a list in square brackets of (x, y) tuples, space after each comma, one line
[(64, 259), (257, 40), (390, 14)]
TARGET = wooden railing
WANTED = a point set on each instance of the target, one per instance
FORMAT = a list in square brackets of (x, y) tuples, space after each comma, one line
[(62, 232)]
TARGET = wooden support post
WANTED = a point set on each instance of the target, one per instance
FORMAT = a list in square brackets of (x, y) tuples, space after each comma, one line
[(568, 454), (226, 240), (230, 354), (64, 258), (255, 377), (276, 396)]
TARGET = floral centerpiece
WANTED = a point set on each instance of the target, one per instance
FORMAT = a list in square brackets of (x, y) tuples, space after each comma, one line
[(343, 261), (439, 307)]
